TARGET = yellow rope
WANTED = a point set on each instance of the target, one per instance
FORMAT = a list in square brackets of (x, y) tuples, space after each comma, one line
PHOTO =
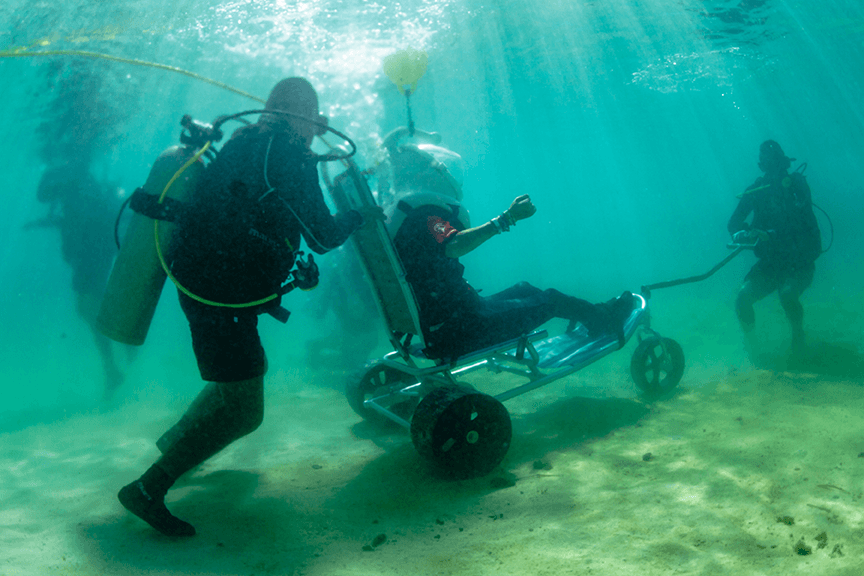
[(97, 55)]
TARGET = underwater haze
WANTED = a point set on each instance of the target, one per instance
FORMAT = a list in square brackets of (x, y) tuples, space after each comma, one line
[(633, 125)]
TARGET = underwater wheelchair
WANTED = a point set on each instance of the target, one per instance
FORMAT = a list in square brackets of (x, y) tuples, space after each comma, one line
[(463, 432)]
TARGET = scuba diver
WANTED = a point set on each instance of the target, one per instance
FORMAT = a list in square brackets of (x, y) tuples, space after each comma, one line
[(80, 207), (431, 231), (82, 122), (235, 243), (785, 237)]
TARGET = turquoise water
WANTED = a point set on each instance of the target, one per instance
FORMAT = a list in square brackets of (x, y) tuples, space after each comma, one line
[(633, 126)]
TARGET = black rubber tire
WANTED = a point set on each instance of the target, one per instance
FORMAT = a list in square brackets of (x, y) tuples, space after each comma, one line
[(378, 379), (657, 365), (462, 432)]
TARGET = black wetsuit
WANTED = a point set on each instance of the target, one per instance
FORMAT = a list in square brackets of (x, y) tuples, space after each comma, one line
[(455, 319), (238, 240), (781, 205), (236, 244)]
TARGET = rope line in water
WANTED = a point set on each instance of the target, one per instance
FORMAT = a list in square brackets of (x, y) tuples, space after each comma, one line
[(133, 61)]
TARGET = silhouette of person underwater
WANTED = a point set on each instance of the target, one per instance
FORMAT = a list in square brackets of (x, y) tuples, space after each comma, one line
[(787, 236), (84, 210)]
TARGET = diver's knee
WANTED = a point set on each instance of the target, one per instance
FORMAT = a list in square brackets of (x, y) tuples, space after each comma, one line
[(246, 399), (788, 297), (794, 310), (744, 309), (745, 292), (250, 420)]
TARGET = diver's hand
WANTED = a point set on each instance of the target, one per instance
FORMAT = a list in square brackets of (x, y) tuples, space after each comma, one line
[(742, 237), (760, 235), (521, 208), (306, 273)]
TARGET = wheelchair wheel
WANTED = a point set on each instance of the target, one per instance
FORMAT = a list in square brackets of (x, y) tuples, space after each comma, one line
[(462, 432), (657, 365), (379, 380)]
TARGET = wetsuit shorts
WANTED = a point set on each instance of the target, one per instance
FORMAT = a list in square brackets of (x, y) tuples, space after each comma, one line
[(225, 341), (767, 276)]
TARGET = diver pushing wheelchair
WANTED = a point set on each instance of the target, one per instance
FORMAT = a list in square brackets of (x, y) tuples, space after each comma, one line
[(420, 385)]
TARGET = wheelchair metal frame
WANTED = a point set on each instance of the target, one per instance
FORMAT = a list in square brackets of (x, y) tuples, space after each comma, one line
[(557, 357)]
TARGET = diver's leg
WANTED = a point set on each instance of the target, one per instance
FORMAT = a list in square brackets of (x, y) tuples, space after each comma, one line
[(523, 307), (543, 304), (229, 353), (519, 291), (511, 313), (228, 411), (88, 307), (113, 375), (208, 400), (481, 322), (758, 283), (222, 413), (744, 307), (795, 314), (790, 293)]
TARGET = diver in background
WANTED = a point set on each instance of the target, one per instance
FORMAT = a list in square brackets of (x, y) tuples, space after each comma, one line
[(431, 232), (84, 210), (787, 240), (237, 243), (83, 119)]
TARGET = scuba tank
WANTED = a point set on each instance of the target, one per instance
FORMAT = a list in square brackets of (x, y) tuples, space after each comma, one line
[(137, 278)]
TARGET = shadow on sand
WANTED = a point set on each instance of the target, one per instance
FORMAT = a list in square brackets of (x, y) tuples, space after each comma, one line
[(568, 424), (239, 533), (830, 359)]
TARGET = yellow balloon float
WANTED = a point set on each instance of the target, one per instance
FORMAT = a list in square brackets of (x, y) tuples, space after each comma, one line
[(406, 67)]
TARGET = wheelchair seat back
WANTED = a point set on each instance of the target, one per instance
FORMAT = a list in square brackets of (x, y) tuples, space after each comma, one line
[(384, 271)]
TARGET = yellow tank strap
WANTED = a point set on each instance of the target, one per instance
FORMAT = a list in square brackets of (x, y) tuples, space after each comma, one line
[(176, 282)]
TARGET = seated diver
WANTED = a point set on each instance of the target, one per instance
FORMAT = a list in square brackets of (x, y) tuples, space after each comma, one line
[(431, 231)]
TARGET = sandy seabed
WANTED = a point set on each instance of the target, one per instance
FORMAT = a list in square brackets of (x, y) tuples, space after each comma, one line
[(754, 467)]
